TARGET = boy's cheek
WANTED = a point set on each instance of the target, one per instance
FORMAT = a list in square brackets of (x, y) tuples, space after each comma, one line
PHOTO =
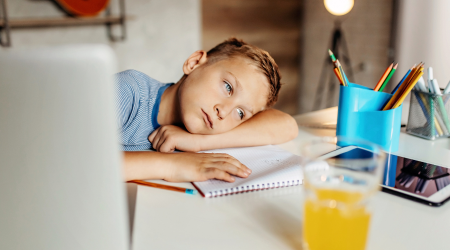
[(193, 127)]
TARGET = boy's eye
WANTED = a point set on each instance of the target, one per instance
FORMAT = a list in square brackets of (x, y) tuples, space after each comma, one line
[(240, 113), (228, 87)]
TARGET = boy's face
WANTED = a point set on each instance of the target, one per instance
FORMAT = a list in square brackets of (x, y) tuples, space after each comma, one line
[(216, 98)]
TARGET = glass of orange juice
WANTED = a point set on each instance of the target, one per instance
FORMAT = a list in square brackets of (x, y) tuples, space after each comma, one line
[(339, 185)]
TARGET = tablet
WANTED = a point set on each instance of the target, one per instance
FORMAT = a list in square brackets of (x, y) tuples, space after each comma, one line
[(408, 178)]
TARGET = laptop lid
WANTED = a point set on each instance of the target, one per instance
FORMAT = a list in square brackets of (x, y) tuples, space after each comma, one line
[(61, 184)]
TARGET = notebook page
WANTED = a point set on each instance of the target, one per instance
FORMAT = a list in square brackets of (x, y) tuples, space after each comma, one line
[(271, 167)]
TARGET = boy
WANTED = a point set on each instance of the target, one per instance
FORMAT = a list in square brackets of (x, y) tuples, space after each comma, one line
[(222, 101)]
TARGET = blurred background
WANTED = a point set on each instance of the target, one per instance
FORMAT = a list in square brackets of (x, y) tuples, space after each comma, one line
[(157, 36)]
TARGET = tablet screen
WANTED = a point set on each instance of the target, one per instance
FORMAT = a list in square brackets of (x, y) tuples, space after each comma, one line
[(412, 176)]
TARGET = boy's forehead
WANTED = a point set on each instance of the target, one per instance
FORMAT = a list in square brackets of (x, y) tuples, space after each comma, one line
[(243, 69), (238, 62)]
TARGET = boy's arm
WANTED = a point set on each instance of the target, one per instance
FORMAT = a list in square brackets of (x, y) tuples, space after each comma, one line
[(268, 127), (182, 167)]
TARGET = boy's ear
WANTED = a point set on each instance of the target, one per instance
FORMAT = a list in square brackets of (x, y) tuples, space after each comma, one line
[(196, 59)]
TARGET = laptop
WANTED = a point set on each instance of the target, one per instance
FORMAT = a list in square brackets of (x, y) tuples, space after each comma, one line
[(61, 184)]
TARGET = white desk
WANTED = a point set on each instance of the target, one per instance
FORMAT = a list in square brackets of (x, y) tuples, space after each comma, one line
[(271, 219)]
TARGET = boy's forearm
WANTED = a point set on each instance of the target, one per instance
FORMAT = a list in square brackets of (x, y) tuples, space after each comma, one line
[(268, 127), (143, 165), (182, 167)]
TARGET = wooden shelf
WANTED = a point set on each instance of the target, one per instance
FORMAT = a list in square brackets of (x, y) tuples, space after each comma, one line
[(6, 24), (62, 21)]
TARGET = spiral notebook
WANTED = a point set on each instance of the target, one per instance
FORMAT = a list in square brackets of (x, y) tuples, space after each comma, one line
[(271, 166)]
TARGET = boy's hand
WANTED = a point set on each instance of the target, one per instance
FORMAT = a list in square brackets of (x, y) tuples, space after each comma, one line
[(204, 166), (167, 138)]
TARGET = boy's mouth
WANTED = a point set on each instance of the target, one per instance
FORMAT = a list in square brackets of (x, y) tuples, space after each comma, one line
[(207, 120)]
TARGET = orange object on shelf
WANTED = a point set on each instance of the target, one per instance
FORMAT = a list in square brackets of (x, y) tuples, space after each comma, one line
[(83, 7)]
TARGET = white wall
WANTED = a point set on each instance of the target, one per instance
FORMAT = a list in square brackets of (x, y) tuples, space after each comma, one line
[(424, 35), (162, 34)]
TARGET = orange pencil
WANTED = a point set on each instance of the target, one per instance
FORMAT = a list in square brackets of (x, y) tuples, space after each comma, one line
[(166, 187), (383, 77), (406, 92), (388, 78), (341, 72), (402, 87), (419, 68), (336, 72), (410, 77)]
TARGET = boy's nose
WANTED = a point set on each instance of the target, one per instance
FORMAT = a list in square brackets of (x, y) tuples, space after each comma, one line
[(220, 113), (223, 111)]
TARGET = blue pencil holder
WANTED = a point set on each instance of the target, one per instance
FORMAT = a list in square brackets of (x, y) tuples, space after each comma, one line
[(360, 116)]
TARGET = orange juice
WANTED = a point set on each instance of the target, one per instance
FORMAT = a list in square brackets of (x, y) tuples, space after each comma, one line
[(334, 219)]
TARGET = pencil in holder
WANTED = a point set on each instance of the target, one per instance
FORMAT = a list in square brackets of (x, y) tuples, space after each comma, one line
[(429, 115), (360, 116)]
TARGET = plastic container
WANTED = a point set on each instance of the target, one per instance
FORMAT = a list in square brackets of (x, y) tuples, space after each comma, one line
[(360, 116)]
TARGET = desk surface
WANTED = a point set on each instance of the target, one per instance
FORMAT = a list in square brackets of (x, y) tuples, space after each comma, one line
[(271, 219)]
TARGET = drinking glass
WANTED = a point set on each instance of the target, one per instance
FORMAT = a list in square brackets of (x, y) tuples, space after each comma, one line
[(338, 193)]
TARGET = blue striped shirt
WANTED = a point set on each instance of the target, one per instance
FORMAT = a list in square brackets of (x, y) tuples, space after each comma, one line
[(139, 97)]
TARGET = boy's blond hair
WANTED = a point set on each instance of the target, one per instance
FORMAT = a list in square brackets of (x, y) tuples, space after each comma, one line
[(260, 58)]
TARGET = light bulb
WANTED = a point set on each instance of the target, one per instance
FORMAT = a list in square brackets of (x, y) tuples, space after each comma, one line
[(339, 7)]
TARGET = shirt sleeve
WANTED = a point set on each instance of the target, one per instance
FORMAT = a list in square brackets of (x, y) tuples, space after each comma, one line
[(127, 98)]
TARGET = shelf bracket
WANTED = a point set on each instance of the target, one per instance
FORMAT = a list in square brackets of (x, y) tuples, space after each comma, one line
[(5, 38), (122, 36)]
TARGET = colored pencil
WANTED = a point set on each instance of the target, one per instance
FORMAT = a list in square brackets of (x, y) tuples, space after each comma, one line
[(166, 187), (418, 68), (402, 80), (338, 65), (383, 77), (333, 58), (414, 73), (338, 75), (406, 92), (388, 78), (401, 89), (344, 79)]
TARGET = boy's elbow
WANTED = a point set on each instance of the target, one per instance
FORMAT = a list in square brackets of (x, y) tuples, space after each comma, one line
[(292, 128), (287, 129)]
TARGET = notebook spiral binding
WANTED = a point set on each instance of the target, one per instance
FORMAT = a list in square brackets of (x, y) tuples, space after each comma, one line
[(247, 188)]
